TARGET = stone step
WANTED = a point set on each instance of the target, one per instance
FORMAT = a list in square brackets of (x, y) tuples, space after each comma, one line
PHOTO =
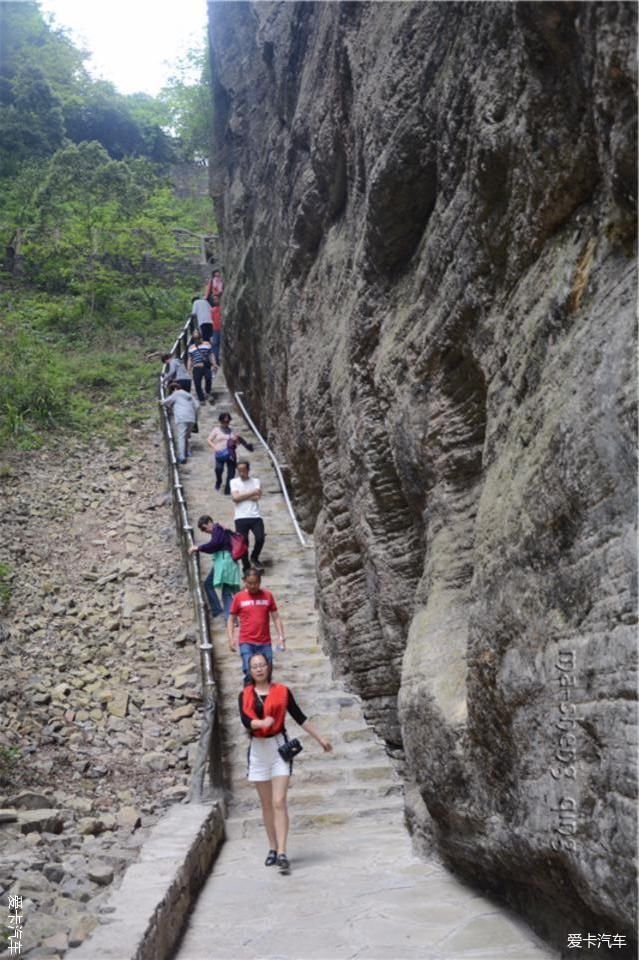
[(326, 782), (378, 781), (299, 648), (305, 675), (235, 743), (240, 827), (328, 767), (319, 795), (356, 755)]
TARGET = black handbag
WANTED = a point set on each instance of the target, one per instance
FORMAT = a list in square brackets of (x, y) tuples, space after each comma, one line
[(289, 749)]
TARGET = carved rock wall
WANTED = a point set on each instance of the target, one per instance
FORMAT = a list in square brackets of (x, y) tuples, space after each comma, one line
[(428, 223)]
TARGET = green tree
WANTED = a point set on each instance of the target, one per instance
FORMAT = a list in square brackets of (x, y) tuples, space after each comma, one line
[(87, 226), (27, 40), (187, 97), (79, 203), (96, 222), (144, 248), (47, 95), (154, 121), (120, 123), (32, 124), (41, 72)]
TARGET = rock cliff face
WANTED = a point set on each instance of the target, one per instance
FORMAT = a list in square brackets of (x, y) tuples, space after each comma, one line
[(428, 220)]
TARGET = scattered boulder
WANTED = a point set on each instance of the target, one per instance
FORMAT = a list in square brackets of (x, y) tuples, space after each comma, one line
[(133, 603), (30, 800), (90, 826), (41, 820), (182, 712), (101, 873), (156, 761), (129, 818), (85, 926), (80, 685), (119, 705)]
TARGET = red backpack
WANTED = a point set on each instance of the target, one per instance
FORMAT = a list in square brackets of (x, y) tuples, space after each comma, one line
[(238, 546)]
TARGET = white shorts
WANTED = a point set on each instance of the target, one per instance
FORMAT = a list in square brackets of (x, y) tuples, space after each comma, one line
[(264, 760)]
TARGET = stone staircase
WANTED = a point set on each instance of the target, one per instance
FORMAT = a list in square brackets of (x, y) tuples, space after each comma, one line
[(356, 889), (357, 779)]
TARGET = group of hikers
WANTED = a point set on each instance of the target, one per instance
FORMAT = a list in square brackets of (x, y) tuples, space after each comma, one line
[(248, 612), (198, 367)]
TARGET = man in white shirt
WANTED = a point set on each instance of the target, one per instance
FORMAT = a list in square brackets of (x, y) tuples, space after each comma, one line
[(245, 494), (201, 310)]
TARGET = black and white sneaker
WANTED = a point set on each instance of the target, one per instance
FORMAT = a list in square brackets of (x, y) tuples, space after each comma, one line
[(283, 864)]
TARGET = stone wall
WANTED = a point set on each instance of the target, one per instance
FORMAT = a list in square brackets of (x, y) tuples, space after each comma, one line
[(428, 222)]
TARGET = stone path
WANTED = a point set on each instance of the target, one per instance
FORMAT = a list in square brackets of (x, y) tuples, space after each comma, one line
[(356, 888)]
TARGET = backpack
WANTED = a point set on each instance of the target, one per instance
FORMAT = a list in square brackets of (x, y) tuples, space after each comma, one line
[(238, 546)]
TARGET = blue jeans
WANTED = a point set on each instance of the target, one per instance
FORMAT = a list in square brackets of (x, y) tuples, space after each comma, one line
[(214, 602), (219, 473), (248, 649)]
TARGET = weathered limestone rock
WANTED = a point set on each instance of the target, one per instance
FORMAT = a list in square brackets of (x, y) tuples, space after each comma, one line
[(40, 820), (156, 761), (101, 873), (39, 926), (54, 872), (58, 943), (134, 601), (91, 826), (182, 713), (129, 818), (119, 705), (428, 213), (81, 804), (81, 931)]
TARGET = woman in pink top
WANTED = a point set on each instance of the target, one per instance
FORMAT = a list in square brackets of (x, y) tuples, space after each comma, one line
[(223, 442), (215, 286)]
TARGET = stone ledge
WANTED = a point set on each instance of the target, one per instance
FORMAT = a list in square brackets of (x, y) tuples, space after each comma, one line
[(152, 903)]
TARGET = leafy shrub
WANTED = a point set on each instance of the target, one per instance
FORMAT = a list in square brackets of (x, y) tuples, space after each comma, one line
[(6, 572), (9, 760)]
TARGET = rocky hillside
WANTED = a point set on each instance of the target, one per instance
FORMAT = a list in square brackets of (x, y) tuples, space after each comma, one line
[(100, 698), (428, 220)]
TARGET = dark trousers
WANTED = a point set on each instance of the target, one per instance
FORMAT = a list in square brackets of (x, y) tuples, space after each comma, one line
[(256, 526), (219, 473), (199, 374), (216, 340)]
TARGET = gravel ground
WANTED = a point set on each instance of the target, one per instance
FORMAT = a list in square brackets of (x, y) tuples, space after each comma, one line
[(100, 693)]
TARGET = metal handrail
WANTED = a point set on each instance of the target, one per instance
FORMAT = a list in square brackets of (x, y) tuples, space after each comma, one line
[(209, 753), (278, 471)]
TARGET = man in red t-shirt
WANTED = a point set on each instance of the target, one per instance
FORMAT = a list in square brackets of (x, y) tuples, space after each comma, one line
[(253, 608)]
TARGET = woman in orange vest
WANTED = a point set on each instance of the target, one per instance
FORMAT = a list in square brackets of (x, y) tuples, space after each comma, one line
[(263, 709)]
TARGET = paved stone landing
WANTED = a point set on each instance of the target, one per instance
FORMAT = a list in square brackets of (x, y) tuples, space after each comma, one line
[(356, 890)]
